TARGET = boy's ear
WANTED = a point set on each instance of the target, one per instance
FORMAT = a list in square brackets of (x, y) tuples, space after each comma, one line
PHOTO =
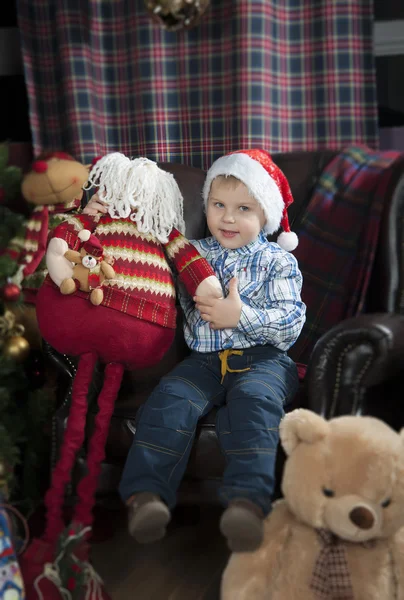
[(301, 426)]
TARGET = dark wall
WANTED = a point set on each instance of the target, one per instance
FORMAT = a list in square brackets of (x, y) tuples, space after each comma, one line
[(390, 90), (388, 10), (390, 70), (14, 120)]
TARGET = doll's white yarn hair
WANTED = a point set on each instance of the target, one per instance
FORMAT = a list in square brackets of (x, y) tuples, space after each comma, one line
[(137, 188)]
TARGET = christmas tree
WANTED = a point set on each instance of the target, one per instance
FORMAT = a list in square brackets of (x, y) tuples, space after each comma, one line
[(11, 223), (25, 401)]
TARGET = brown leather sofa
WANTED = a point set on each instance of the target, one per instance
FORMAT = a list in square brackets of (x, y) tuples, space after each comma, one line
[(354, 368)]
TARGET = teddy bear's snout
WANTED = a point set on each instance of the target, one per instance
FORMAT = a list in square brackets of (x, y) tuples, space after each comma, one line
[(89, 262), (362, 517), (352, 518)]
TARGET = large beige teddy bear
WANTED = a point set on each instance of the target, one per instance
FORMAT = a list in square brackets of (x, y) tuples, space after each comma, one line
[(337, 534)]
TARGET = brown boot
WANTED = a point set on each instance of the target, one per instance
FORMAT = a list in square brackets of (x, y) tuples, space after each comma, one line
[(148, 517), (242, 524)]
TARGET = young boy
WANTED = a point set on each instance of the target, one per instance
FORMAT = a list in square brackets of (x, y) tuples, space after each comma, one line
[(238, 358)]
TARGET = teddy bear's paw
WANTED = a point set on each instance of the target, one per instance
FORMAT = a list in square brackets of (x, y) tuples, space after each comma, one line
[(96, 297), (68, 286)]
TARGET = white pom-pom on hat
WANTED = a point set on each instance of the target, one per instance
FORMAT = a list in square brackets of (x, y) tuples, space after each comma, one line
[(84, 235), (266, 183), (288, 240)]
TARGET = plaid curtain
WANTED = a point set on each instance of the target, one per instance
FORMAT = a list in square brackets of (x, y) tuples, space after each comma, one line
[(280, 74)]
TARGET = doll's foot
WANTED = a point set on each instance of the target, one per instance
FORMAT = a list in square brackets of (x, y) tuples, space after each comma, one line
[(242, 524), (148, 517)]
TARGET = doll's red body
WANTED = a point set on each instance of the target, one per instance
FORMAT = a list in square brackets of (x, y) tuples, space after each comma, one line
[(81, 326)]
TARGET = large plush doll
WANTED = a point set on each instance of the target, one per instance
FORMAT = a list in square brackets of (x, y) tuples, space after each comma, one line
[(132, 327)]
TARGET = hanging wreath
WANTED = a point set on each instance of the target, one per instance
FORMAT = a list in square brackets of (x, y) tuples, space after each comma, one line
[(177, 14)]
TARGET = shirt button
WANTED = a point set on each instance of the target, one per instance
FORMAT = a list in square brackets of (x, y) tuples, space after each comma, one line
[(227, 343)]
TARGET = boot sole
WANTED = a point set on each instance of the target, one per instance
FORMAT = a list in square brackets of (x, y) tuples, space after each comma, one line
[(149, 523), (242, 529)]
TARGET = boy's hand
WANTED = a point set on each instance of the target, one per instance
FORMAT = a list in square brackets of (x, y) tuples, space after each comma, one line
[(209, 288), (95, 206), (221, 313)]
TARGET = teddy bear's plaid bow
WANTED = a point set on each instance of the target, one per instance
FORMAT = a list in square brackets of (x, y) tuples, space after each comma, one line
[(331, 579)]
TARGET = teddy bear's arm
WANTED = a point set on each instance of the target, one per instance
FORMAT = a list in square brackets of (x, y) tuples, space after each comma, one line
[(73, 256), (107, 270), (249, 576), (398, 562)]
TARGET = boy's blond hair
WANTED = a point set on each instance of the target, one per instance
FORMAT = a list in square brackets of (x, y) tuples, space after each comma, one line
[(230, 181)]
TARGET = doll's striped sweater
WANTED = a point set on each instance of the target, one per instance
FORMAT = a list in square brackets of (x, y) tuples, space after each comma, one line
[(144, 284)]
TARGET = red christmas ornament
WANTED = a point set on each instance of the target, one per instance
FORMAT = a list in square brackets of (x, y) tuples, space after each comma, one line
[(11, 292), (2, 194)]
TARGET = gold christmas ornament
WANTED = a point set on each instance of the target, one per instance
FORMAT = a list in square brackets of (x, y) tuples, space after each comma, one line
[(177, 14), (12, 342), (16, 348)]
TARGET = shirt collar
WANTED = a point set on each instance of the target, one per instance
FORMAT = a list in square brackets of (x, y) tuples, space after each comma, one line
[(249, 248)]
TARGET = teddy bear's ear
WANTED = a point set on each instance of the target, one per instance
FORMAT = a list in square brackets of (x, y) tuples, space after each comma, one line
[(301, 425)]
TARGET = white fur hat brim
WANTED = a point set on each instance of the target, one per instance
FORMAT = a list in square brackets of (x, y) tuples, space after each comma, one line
[(259, 183)]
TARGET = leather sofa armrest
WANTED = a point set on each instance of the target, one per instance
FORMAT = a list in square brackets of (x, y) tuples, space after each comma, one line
[(65, 365), (357, 354)]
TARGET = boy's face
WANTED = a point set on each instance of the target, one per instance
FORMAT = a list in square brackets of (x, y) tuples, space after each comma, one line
[(234, 217)]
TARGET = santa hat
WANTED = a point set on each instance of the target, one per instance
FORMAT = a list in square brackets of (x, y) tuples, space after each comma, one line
[(91, 244), (267, 185)]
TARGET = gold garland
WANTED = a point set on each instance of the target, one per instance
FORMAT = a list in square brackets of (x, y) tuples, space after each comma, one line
[(8, 326)]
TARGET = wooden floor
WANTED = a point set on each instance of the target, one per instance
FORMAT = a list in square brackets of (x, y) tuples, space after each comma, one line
[(186, 565)]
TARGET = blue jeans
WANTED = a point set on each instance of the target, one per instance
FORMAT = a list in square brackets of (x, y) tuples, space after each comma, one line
[(251, 406)]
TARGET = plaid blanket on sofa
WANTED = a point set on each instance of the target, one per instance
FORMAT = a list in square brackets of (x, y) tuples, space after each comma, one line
[(337, 240)]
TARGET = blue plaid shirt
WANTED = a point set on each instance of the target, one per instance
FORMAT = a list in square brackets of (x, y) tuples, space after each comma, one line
[(269, 284)]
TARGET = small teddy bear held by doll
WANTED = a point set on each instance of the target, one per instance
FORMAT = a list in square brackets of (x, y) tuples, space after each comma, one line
[(339, 531), (89, 270)]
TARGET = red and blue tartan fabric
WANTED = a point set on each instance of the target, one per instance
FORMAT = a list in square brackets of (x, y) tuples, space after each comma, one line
[(338, 238), (282, 75)]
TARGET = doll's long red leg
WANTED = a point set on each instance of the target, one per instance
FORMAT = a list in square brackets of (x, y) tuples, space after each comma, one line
[(72, 441), (96, 451)]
